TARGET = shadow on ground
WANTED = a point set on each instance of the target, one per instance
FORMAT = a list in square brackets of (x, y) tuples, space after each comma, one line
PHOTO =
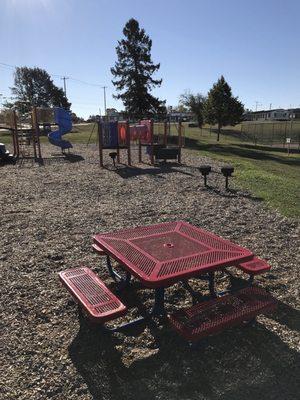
[(241, 150), (125, 172), (55, 159), (239, 364)]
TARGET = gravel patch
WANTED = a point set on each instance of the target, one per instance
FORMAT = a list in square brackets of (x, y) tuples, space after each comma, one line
[(48, 215)]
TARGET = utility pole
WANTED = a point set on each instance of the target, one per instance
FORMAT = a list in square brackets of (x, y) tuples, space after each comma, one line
[(257, 103), (270, 106), (64, 78), (104, 97)]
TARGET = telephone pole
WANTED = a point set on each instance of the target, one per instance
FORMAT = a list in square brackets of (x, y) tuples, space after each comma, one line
[(64, 78), (257, 103), (104, 97)]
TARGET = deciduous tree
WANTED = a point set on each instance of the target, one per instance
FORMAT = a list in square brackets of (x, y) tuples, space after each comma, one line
[(195, 104), (34, 87)]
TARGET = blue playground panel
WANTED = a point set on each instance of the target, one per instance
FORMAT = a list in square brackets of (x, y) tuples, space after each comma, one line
[(110, 137)]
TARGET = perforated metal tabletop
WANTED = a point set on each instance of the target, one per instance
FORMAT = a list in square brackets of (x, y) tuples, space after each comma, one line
[(160, 255)]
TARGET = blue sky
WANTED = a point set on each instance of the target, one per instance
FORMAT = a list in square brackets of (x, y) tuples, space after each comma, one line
[(254, 44)]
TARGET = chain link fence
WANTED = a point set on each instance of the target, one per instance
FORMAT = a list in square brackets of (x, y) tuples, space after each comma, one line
[(277, 133)]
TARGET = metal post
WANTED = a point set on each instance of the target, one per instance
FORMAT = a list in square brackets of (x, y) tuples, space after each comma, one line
[(159, 303), (212, 290)]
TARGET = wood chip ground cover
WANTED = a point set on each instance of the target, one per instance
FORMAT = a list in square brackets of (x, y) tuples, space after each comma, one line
[(48, 215)]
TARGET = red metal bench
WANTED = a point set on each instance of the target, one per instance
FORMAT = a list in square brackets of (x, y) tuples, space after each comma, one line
[(99, 303), (97, 249), (255, 266), (213, 316)]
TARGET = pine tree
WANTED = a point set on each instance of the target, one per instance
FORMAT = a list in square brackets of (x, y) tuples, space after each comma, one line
[(133, 73), (221, 107), (34, 87)]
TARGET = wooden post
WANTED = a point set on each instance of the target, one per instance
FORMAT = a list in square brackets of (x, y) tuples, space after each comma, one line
[(100, 145), (15, 135), (33, 126), (151, 142), (140, 148), (128, 143), (179, 140), (165, 133)]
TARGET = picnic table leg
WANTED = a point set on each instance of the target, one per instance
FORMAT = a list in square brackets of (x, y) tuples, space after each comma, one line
[(159, 303), (212, 289)]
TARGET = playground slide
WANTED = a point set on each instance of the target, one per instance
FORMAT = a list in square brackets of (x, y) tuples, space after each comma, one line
[(63, 120)]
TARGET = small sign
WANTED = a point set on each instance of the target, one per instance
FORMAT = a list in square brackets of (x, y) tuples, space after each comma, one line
[(288, 140)]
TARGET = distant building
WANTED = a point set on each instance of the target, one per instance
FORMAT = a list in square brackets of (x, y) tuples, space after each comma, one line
[(114, 115), (175, 116), (278, 114)]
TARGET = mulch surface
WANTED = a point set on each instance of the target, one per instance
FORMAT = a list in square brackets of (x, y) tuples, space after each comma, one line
[(48, 216)]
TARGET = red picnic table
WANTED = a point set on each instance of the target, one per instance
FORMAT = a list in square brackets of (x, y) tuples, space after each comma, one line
[(161, 255)]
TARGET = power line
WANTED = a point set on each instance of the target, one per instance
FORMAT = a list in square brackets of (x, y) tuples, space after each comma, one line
[(58, 76)]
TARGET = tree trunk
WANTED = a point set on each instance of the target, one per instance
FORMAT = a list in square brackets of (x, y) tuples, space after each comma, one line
[(219, 131)]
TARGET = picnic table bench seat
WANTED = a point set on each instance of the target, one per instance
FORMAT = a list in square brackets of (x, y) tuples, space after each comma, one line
[(214, 315), (99, 303), (97, 249), (255, 266)]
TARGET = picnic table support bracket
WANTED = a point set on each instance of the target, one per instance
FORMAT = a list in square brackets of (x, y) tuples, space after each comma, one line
[(123, 282), (158, 310), (195, 295)]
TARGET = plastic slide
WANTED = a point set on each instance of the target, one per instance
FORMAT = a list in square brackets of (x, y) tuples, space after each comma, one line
[(63, 120)]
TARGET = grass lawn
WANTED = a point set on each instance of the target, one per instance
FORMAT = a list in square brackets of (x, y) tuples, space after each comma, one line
[(268, 173)]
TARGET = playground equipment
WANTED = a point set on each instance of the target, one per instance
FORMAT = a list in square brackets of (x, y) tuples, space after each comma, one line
[(154, 137), (205, 171), (156, 143), (227, 172), (5, 156), (25, 130), (113, 136), (25, 133), (63, 119)]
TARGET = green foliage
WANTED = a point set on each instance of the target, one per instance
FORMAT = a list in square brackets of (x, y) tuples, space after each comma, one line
[(221, 107), (34, 87), (195, 104), (133, 73)]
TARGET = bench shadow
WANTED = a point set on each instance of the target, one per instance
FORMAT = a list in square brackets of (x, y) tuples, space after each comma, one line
[(241, 363)]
